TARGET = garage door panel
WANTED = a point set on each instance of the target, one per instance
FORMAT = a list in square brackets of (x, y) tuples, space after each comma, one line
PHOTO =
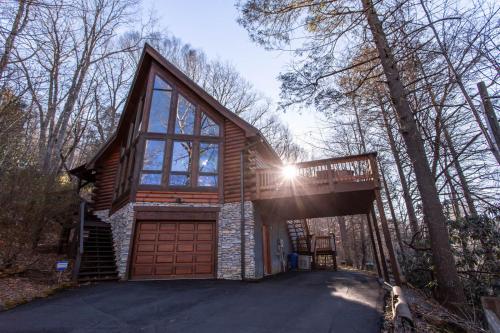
[(204, 258), (148, 226), (203, 269), (143, 270), (147, 237), (166, 237), (183, 269), (185, 247), (185, 237), (166, 247), (174, 250), (204, 237), (184, 258), (205, 226), (140, 259), (168, 226), (204, 247), (164, 269), (186, 226), (145, 248), (164, 258)]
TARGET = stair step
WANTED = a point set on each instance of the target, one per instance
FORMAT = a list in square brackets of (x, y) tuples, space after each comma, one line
[(100, 279), (108, 272), (103, 269), (97, 257), (96, 234), (102, 264)]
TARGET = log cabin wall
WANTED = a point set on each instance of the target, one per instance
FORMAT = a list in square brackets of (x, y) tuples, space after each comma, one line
[(105, 179), (173, 196), (234, 142)]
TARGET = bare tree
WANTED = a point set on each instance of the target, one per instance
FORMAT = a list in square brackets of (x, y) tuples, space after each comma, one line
[(326, 26)]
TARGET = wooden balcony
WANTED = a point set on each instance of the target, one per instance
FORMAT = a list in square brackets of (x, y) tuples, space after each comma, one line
[(337, 186)]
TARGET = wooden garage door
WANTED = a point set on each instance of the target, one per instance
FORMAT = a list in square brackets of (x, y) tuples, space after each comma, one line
[(166, 250)]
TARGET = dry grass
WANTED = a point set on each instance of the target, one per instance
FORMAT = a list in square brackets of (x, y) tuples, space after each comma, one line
[(33, 277)]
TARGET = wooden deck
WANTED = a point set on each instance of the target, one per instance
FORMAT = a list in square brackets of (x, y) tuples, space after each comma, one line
[(329, 187)]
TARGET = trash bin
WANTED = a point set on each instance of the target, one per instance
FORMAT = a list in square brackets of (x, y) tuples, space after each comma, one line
[(304, 263), (293, 260)]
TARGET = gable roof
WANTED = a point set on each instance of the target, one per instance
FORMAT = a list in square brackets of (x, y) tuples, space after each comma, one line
[(148, 55)]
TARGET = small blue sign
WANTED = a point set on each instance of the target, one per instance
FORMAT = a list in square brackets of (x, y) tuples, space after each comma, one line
[(61, 265)]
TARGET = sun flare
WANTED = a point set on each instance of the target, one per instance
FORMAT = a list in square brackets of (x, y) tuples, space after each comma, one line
[(289, 172)]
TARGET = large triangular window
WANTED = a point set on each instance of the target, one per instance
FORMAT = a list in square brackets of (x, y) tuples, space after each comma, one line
[(160, 106), (208, 126), (182, 142)]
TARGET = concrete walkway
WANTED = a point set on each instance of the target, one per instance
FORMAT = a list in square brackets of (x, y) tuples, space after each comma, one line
[(293, 302)]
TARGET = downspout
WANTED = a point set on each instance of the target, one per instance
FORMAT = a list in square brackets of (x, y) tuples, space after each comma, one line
[(242, 212), (242, 205)]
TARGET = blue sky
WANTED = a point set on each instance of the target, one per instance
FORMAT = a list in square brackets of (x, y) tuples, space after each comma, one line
[(211, 26)]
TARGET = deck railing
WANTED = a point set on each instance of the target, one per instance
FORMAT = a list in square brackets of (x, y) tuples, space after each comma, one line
[(327, 172)]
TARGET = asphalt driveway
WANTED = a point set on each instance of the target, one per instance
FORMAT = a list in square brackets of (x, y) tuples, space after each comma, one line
[(294, 302)]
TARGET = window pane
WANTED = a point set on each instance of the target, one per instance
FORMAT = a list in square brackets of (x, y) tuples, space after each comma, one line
[(210, 181), (208, 126), (179, 180), (159, 112), (161, 84), (209, 156), (153, 155), (182, 155), (151, 178), (184, 122)]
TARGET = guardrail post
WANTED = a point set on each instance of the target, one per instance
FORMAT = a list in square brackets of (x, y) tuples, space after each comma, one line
[(79, 253)]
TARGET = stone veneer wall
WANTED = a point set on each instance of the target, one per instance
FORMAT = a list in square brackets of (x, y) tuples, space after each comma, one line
[(121, 225), (229, 246), (229, 237)]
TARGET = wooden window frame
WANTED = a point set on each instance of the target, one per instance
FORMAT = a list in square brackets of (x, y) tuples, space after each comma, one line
[(199, 173), (170, 137), (160, 172)]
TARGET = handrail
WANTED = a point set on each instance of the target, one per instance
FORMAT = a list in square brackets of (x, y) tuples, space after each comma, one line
[(357, 168), (81, 223), (83, 207)]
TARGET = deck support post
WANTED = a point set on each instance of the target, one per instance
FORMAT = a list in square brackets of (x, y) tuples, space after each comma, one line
[(383, 220), (380, 247), (374, 246), (388, 240)]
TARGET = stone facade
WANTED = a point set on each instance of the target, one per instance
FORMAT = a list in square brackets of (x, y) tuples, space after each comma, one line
[(229, 237), (121, 225), (229, 253)]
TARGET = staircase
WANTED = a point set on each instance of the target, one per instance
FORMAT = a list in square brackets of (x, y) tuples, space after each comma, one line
[(324, 252), (96, 257), (321, 248), (299, 235)]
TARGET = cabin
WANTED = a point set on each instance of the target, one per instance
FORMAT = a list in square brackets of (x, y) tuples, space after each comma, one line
[(186, 189)]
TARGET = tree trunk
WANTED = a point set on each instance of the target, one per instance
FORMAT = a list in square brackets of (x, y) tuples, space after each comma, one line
[(458, 80), (354, 245), (491, 116), (363, 241), (461, 176), (450, 290), (345, 241), (412, 216), (393, 214), (17, 26)]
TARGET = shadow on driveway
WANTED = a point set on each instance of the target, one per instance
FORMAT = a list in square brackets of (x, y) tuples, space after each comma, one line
[(294, 302)]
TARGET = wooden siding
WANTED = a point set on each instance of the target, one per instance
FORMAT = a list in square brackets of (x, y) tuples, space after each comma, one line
[(170, 196), (105, 179), (261, 162), (234, 142)]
